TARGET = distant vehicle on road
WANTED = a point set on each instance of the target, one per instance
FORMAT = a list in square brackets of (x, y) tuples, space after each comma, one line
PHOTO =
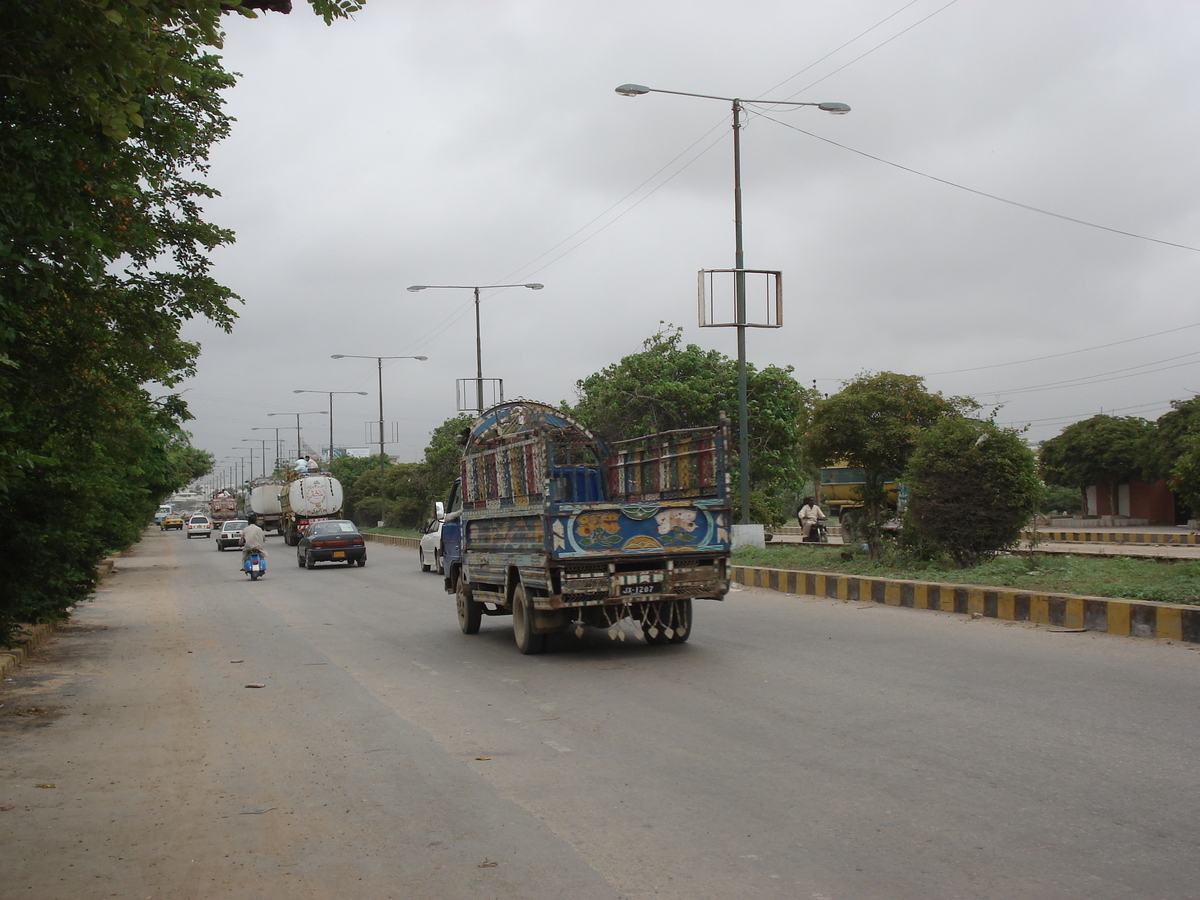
[(199, 526), (171, 520), (230, 534), (331, 540), (163, 511), (430, 550)]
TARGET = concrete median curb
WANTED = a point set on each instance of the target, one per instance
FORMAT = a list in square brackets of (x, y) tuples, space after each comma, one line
[(1132, 618), (1114, 537), (31, 640), (393, 540)]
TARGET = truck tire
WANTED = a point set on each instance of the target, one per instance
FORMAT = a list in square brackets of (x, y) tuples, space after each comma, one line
[(470, 613), (522, 613)]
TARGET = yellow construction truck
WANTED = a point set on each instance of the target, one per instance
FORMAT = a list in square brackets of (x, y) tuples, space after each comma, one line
[(841, 491)]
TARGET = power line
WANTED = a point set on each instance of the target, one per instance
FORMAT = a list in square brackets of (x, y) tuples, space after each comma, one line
[(970, 190), (1021, 362)]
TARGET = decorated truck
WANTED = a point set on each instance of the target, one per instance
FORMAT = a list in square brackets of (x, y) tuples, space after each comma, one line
[(305, 499), (551, 526), (223, 507)]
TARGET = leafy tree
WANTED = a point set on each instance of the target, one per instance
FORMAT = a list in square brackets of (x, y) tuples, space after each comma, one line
[(1056, 498), (874, 423), (972, 488), (1168, 451), (668, 386), (1185, 475), (411, 487), (108, 109), (1103, 451)]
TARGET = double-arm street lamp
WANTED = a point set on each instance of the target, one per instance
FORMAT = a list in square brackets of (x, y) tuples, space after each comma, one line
[(382, 458), (331, 393), (478, 339), (837, 109), (299, 443)]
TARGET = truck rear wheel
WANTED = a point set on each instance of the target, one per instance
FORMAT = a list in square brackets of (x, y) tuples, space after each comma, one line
[(470, 613), (522, 613)]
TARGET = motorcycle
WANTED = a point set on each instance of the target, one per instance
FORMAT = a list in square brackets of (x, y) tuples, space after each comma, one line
[(254, 565), (817, 534)]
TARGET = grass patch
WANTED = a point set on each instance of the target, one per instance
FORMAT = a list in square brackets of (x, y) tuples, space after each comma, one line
[(1126, 578)]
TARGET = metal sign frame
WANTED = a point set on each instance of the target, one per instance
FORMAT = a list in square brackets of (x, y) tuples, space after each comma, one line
[(772, 297), (467, 392)]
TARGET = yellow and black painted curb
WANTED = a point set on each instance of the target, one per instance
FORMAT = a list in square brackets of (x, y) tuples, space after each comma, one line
[(1116, 537), (1134, 618)]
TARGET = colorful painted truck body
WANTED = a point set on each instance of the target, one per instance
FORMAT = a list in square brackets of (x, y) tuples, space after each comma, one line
[(552, 527), (305, 499), (223, 507)]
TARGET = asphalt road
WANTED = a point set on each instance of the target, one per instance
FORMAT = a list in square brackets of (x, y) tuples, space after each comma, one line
[(795, 748)]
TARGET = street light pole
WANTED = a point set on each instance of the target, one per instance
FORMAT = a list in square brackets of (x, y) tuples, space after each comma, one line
[(837, 109), (382, 458), (264, 455), (278, 451), (478, 339), (317, 412), (331, 393)]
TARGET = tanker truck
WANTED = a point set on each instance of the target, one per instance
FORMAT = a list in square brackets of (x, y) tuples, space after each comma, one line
[(263, 501), (307, 498)]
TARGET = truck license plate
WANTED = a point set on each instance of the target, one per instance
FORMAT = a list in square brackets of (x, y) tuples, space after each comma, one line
[(652, 588), (338, 553)]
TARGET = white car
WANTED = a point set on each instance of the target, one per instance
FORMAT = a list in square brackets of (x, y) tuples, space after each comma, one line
[(230, 534), (431, 547), (198, 526)]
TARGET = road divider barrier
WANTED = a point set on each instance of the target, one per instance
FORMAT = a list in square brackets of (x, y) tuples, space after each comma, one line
[(1132, 618)]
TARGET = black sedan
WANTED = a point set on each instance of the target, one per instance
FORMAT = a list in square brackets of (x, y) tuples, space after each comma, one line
[(334, 540)]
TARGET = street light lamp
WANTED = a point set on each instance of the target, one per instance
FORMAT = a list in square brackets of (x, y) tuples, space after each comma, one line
[(478, 340), (331, 393), (837, 109), (317, 412), (264, 454), (382, 458)]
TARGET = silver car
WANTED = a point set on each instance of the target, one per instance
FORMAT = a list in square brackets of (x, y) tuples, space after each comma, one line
[(230, 534)]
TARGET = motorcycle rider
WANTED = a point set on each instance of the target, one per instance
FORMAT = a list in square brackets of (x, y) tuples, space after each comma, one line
[(809, 515), (253, 538)]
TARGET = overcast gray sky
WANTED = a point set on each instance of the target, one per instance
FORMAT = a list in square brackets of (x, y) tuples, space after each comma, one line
[(455, 142)]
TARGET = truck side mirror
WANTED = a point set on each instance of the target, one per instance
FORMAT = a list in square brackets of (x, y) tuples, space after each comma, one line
[(439, 510)]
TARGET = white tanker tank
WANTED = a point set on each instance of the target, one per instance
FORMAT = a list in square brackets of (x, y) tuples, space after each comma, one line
[(305, 499), (262, 501)]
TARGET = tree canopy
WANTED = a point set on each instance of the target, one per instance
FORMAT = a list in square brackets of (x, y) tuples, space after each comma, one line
[(669, 385), (1103, 450), (972, 488), (874, 423), (108, 109)]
